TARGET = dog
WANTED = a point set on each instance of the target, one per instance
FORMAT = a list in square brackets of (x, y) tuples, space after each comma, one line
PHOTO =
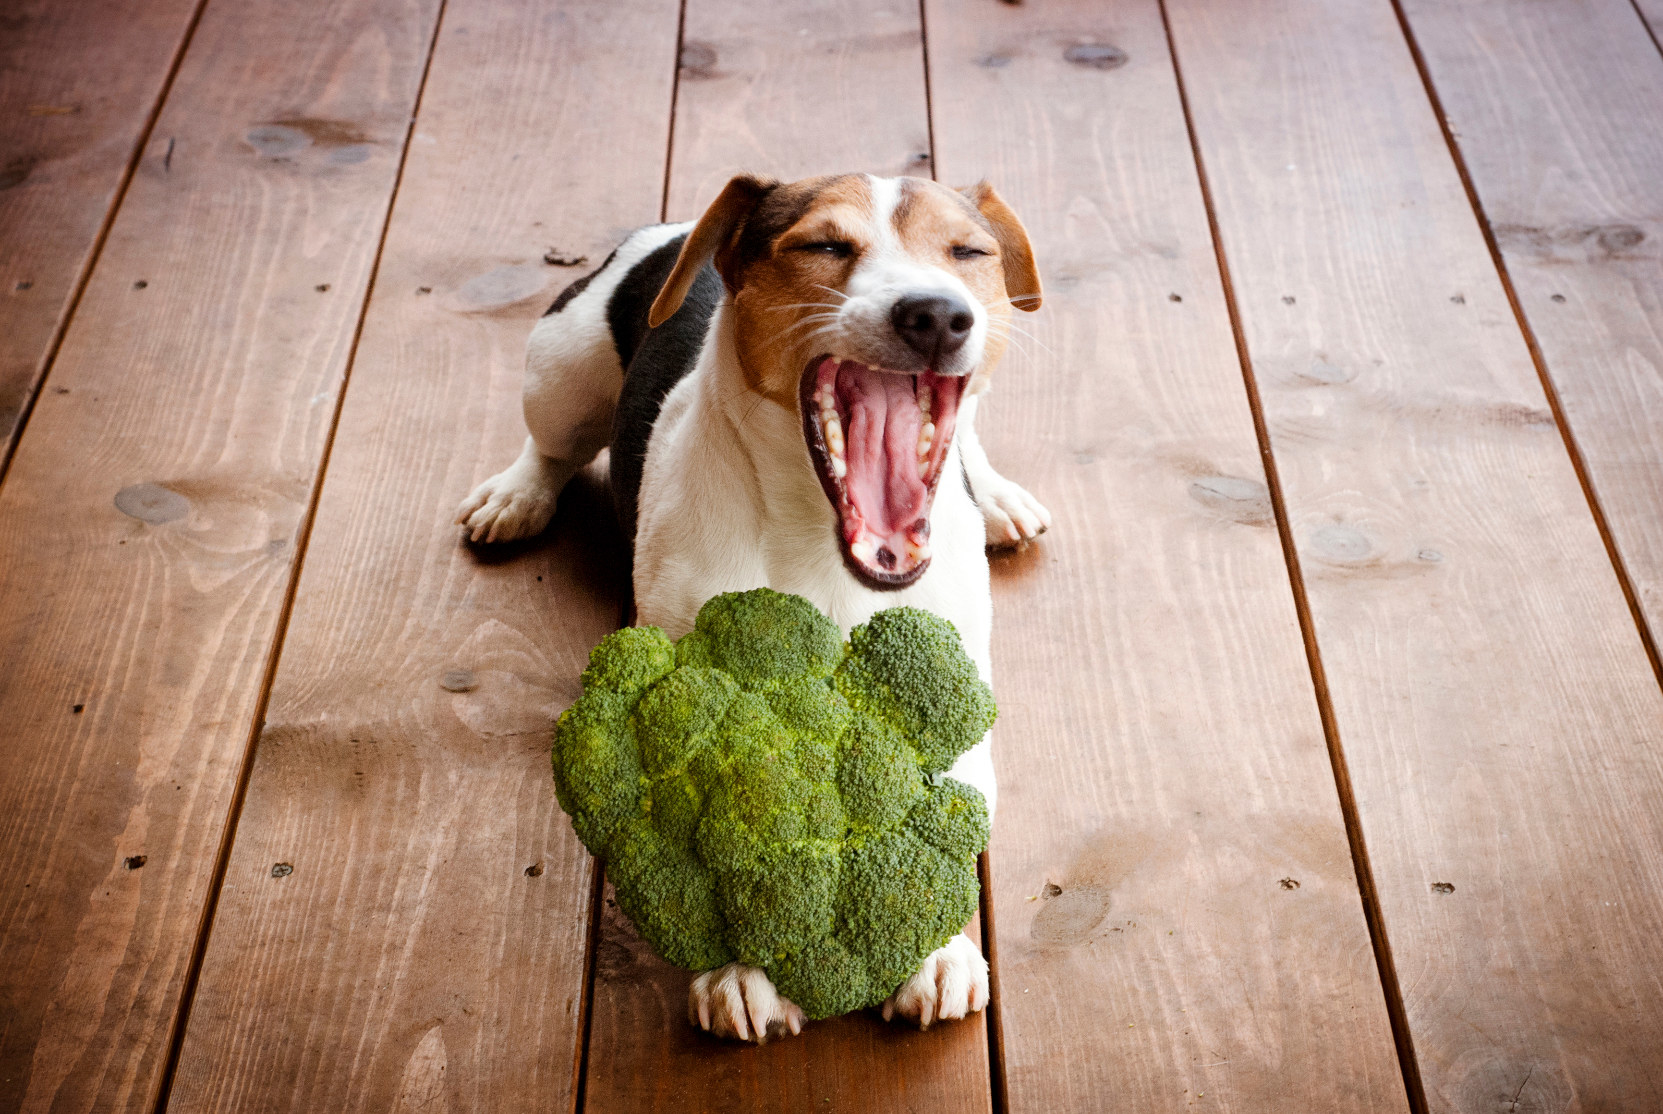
[(788, 388)]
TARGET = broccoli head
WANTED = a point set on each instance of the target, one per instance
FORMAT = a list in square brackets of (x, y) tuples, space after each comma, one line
[(763, 791)]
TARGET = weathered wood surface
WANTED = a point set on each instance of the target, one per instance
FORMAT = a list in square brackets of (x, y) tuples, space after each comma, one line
[(1558, 111), (1162, 759), (428, 950), (1175, 908), (793, 89), (79, 82), (148, 526), (1497, 710), (796, 89)]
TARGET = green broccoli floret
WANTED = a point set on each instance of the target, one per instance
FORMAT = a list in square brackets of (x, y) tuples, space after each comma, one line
[(908, 669), (763, 791)]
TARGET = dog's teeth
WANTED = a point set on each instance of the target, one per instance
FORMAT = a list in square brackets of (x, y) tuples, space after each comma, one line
[(839, 468), (918, 552)]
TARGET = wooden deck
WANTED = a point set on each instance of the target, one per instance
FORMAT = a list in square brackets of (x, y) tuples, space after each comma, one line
[(1331, 734)]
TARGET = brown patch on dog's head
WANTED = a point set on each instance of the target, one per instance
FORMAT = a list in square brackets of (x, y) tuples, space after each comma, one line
[(973, 235), (761, 235), (790, 263), (870, 308), (713, 233), (1016, 254), (786, 253)]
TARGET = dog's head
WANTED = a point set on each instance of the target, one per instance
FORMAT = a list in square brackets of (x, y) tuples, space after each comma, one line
[(871, 306)]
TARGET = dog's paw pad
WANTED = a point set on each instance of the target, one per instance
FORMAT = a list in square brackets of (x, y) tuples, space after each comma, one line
[(951, 983), (510, 505), (738, 1002), (1010, 514)]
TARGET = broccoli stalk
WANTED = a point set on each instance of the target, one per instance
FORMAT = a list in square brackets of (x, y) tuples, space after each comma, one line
[(763, 791)]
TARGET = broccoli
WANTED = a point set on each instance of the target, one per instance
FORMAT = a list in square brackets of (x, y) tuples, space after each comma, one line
[(763, 791)]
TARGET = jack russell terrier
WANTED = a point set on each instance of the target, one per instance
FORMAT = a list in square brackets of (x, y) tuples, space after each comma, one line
[(784, 386)]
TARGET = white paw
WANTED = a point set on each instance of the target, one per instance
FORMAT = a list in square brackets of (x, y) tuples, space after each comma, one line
[(512, 504), (952, 983), (1011, 515), (738, 1001)]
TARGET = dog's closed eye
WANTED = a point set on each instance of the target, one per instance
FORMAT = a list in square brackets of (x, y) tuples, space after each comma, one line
[(841, 249)]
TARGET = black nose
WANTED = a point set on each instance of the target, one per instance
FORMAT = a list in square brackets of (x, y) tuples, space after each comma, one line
[(933, 325)]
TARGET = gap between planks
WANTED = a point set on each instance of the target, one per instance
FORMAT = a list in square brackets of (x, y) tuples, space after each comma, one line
[(990, 950), (193, 972), (597, 896), (929, 125), (1647, 636), (9, 450), (1651, 32), (1401, 1036), (663, 218)]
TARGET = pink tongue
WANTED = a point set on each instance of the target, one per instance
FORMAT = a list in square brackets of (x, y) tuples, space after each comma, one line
[(884, 483)]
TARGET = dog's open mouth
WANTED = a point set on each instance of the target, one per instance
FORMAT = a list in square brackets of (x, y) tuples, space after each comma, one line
[(878, 440)]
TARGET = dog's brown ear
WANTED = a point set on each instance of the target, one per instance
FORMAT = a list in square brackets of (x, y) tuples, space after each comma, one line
[(1021, 273), (714, 230)]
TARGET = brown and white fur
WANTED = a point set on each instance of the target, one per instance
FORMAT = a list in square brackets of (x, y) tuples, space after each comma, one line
[(831, 290)]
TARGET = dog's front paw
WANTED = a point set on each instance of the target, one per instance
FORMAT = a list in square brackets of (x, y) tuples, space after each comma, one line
[(1010, 514), (512, 504), (738, 1001), (952, 983)]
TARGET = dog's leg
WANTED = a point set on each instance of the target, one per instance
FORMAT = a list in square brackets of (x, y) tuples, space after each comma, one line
[(951, 983), (952, 980), (1011, 515), (572, 380), (738, 1001)]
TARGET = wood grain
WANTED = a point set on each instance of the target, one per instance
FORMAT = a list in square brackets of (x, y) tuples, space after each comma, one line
[(1175, 909), (149, 522), (1495, 704), (79, 80), (794, 89), (428, 949), (1558, 111)]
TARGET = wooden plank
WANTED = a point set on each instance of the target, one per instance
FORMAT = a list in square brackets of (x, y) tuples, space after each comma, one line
[(79, 81), (428, 950), (1497, 710), (1175, 908), (148, 526), (788, 89), (795, 89), (1559, 112), (1652, 12)]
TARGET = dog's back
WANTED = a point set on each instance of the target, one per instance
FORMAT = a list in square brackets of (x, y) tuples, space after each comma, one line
[(654, 360)]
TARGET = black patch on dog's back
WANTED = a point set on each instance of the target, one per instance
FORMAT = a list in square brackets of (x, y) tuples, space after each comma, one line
[(655, 360)]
